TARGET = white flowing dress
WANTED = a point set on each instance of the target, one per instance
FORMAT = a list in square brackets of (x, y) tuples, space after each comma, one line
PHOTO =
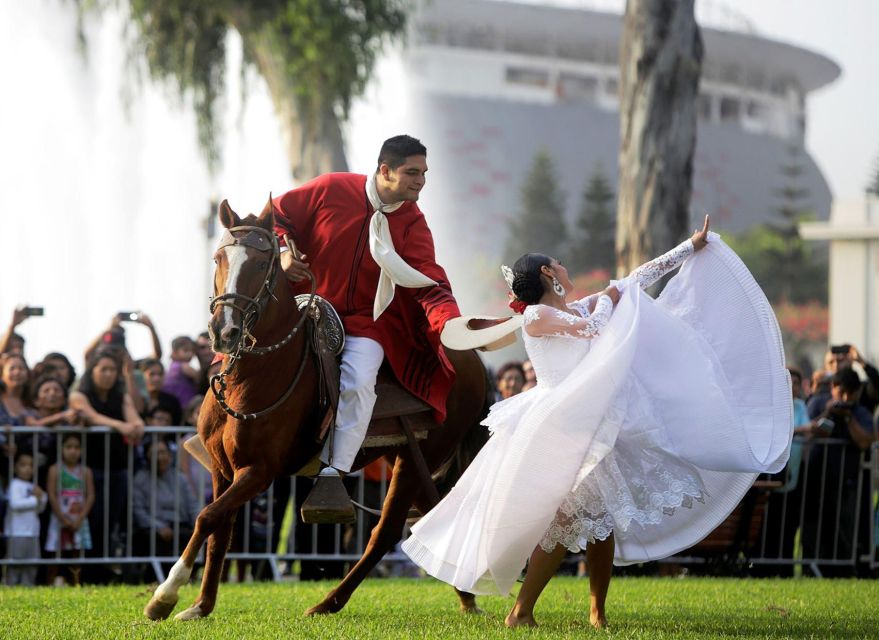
[(650, 421)]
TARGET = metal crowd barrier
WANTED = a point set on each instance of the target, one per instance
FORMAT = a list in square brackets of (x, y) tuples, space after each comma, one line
[(820, 512), (257, 538)]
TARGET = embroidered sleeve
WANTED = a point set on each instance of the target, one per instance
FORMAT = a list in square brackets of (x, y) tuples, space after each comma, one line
[(589, 302), (650, 272), (541, 320)]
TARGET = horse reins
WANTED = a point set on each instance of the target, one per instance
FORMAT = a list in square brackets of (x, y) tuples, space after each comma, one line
[(261, 240)]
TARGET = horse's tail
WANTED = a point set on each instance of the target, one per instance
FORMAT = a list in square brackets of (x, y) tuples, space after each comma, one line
[(474, 439)]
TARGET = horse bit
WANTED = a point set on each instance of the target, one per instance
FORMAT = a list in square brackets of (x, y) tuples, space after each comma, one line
[(264, 241)]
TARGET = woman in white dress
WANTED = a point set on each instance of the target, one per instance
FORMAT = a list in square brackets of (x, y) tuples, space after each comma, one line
[(641, 407)]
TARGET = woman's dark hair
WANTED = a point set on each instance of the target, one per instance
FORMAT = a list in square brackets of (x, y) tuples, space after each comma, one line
[(50, 376), (60, 356), (527, 285), (514, 365), (87, 384)]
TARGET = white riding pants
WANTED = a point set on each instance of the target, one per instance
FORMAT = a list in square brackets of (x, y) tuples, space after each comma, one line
[(361, 359)]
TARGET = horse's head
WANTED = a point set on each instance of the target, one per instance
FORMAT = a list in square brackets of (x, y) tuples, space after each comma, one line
[(247, 267)]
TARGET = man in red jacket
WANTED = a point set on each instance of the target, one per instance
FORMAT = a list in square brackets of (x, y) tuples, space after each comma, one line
[(372, 255)]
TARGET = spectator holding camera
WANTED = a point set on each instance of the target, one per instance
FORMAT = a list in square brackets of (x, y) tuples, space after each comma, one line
[(829, 522), (12, 342), (839, 357), (114, 337), (844, 417)]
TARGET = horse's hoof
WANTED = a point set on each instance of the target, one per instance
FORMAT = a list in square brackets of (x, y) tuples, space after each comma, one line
[(158, 609), (472, 610), (192, 613), (318, 610)]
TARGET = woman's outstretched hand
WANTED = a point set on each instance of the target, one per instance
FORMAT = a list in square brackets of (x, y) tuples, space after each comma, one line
[(700, 238), (613, 293)]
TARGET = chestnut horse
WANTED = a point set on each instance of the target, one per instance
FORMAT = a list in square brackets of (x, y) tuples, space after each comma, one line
[(276, 386)]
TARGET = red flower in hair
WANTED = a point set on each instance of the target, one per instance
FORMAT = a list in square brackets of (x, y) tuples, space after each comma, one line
[(517, 305)]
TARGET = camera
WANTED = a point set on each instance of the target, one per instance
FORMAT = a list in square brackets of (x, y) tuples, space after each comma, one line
[(825, 424), (128, 316), (840, 348), (33, 311)]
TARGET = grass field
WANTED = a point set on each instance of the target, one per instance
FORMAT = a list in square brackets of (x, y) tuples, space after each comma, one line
[(400, 608)]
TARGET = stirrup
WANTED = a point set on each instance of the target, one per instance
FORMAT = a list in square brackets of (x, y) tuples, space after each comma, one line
[(328, 502)]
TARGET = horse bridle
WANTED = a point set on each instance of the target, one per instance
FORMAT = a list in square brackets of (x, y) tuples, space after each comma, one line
[(262, 240)]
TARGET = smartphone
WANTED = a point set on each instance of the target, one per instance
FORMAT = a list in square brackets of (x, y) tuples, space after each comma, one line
[(840, 348), (127, 316), (33, 311), (825, 424)]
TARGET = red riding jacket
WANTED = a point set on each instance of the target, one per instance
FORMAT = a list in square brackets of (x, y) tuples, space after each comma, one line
[(328, 219)]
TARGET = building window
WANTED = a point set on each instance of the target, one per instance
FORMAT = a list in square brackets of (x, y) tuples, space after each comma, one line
[(729, 109), (530, 77), (576, 88)]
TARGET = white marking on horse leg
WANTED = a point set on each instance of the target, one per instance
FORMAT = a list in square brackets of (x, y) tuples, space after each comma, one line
[(177, 577), (235, 257)]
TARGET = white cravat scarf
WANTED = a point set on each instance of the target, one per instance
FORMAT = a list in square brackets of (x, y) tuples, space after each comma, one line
[(394, 270)]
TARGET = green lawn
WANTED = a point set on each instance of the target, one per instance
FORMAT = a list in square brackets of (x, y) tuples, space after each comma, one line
[(400, 608)]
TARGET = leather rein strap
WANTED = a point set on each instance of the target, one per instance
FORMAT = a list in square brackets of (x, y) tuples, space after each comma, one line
[(265, 241)]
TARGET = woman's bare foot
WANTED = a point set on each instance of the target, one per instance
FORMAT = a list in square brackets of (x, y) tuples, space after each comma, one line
[(516, 618), (598, 620)]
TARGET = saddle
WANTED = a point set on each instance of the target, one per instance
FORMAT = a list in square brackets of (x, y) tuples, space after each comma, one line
[(396, 410)]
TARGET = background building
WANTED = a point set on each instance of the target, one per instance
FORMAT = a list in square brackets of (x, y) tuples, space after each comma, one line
[(853, 232)]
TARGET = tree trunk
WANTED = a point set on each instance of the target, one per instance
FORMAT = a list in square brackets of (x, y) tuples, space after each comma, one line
[(313, 136), (660, 63)]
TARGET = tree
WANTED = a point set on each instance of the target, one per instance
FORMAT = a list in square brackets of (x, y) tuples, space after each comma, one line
[(790, 252), (788, 269), (541, 225), (660, 62), (593, 244), (315, 56)]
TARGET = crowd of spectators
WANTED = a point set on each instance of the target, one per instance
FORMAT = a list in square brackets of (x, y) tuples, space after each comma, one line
[(83, 486), (823, 498), (65, 492)]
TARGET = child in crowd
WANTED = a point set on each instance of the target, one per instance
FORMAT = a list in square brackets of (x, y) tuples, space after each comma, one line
[(182, 379), (22, 527), (72, 495)]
